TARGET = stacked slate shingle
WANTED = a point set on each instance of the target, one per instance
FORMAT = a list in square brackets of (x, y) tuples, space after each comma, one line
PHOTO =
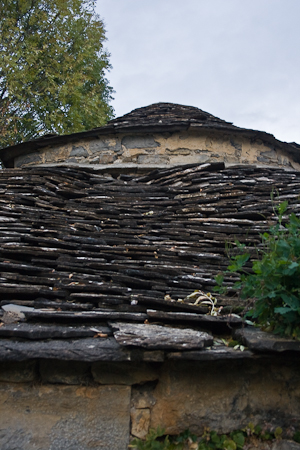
[(86, 254)]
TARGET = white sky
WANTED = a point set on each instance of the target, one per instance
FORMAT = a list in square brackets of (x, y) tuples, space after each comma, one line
[(236, 59)]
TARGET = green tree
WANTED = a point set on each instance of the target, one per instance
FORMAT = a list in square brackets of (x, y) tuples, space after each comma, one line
[(52, 69)]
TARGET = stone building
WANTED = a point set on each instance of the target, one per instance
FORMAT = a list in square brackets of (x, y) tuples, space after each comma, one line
[(104, 237), (158, 135)]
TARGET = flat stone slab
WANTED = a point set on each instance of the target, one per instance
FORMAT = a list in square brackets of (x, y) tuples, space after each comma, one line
[(258, 340), (49, 331), (54, 417), (228, 319), (86, 350), (159, 337), (211, 354)]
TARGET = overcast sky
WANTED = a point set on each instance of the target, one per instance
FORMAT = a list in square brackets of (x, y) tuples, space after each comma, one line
[(236, 59)]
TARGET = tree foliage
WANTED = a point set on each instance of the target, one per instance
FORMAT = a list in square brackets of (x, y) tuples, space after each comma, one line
[(52, 69)]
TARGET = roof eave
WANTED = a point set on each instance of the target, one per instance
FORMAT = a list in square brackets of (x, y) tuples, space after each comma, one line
[(8, 154)]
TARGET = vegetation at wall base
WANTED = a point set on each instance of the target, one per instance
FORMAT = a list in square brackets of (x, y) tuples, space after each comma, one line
[(52, 69), (251, 436), (274, 284)]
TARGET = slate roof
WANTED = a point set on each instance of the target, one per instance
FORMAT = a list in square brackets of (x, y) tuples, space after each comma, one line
[(156, 118), (99, 267)]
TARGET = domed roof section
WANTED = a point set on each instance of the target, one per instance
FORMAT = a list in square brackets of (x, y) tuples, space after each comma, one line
[(157, 118), (168, 114)]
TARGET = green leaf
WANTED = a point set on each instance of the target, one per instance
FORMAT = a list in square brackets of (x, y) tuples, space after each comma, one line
[(229, 444), (291, 300), (282, 207), (238, 438), (219, 279), (238, 262), (282, 310), (296, 437)]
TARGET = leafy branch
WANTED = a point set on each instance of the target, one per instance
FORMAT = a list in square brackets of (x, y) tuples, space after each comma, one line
[(274, 283)]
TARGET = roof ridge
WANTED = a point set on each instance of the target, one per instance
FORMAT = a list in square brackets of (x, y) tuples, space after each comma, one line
[(170, 111)]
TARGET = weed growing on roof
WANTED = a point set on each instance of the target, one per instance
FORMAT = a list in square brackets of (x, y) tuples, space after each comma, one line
[(210, 440), (275, 282)]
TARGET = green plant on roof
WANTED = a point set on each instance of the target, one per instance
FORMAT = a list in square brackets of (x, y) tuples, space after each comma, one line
[(274, 283)]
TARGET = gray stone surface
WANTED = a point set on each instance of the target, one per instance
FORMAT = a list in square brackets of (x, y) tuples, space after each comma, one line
[(89, 349), (79, 151), (104, 144), (106, 159), (64, 372), (64, 417), (127, 373), (13, 313), (258, 340), (34, 331), (146, 141), (140, 422), (285, 444), (18, 372), (152, 159), (27, 159), (211, 354), (202, 156), (225, 396), (159, 337), (11, 307)]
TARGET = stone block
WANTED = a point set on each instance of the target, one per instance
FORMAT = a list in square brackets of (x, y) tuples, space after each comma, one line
[(140, 422), (146, 141), (224, 396), (202, 155), (94, 160), (152, 159), (178, 151), (262, 341), (71, 161), (18, 371), (263, 159), (159, 337), (125, 373), (28, 159), (100, 145), (79, 151), (107, 159), (64, 372), (64, 417), (237, 146), (142, 395), (268, 156)]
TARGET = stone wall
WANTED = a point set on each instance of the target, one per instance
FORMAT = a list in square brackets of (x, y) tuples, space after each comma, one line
[(62, 405), (160, 149)]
